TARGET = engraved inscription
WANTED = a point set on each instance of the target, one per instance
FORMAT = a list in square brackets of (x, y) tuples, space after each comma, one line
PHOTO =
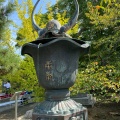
[(49, 76), (48, 65)]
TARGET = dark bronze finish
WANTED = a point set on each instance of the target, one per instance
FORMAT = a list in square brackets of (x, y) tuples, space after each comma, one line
[(56, 64), (56, 58), (54, 26)]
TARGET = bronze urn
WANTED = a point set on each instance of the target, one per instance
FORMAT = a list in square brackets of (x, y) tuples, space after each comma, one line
[(56, 57)]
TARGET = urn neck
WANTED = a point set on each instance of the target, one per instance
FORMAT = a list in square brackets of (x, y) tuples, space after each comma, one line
[(57, 95)]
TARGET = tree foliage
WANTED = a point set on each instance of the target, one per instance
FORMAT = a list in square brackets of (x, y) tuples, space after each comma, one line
[(8, 60), (100, 24), (25, 79), (103, 79), (5, 11)]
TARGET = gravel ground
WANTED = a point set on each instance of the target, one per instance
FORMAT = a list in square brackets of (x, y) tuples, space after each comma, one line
[(101, 111), (10, 114)]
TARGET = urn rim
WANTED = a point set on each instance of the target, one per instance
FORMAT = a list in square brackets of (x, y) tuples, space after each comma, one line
[(45, 42)]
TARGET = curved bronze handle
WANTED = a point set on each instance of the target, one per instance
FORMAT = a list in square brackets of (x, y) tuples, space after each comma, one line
[(64, 28)]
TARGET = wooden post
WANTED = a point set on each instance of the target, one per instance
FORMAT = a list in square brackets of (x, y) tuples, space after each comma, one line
[(16, 106), (15, 97)]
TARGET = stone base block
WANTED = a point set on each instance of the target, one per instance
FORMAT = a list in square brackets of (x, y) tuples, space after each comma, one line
[(80, 115), (60, 110), (85, 99)]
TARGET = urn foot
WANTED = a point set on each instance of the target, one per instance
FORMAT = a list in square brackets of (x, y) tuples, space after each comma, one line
[(60, 110)]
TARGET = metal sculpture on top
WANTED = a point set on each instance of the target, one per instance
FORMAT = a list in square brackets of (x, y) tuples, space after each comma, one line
[(53, 26)]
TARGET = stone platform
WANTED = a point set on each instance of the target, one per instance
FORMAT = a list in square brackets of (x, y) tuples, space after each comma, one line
[(85, 99)]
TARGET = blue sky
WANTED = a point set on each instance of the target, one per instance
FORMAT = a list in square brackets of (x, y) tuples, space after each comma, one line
[(41, 4), (15, 18)]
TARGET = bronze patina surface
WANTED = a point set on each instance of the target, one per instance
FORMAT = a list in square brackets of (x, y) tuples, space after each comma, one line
[(56, 57)]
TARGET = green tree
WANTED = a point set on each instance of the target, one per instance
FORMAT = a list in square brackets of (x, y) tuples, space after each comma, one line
[(4, 22), (25, 79), (103, 74), (8, 59), (99, 23)]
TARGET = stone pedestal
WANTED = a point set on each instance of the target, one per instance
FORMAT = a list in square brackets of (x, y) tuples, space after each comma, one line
[(85, 99), (59, 106), (80, 115)]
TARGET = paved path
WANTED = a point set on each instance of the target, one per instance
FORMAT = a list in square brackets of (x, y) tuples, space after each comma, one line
[(9, 114)]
